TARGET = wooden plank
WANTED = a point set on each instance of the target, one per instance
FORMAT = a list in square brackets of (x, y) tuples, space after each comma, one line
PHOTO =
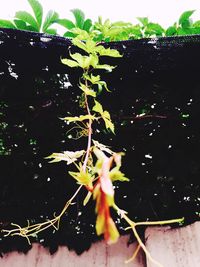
[(100, 255), (174, 247)]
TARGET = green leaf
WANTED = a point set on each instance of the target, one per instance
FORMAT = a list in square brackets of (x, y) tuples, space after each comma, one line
[(79, 58), (113, 32), (20, 24), (79, 17), (184, 18), (155, 29), (68, 156), (80, 118), (196, 23), (98, 107), (87, 25), (87, 90), (82, 177), (105, 116), (121, 24), (135, 32), (81, 34), (69, 34), (96, 80), (116, 175), (85, 61), (94, 60), (103, 84), (91, 60), (171, 31), (7, 24), (105, 67), (90, 46), (79, 44), (51, 18), (195, 30), (107, 52), (102, 147), (66, 23), (108, 122), (28, 18), (70, 63), (51, 31), (38, 11), (92, 78), (184, 31), (30, 28), (144, 20)]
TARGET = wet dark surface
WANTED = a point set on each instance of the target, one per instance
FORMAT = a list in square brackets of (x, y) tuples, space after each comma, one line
[(155, 104)]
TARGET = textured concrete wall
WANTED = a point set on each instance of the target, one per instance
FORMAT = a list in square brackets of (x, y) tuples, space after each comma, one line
[(174, 247), (171, 247), (100, 255)]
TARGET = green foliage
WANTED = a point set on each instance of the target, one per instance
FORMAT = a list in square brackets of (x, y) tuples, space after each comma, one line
[(95, 80), (100, 30), (149, 29), (79, 18), (185, 20), (105, 115), (24, 20), (68, 156), (83, 178), (79, 23), (109, 31), (102, 147), (7, 24), (50, 19), (184, 26)]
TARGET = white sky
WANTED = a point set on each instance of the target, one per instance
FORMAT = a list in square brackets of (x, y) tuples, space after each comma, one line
[(164, 12)]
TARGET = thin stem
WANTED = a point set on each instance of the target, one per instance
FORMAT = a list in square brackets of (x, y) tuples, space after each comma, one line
[(89, 132), (69, 202), (34, 229), (160, 222), (134, 254), (142, 245), (133, 227)]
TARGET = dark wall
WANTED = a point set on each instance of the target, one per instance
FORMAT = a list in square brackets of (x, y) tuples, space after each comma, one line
[(155, 104)]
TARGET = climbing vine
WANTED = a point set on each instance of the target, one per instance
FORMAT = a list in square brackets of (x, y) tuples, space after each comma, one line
[(97, 167)]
